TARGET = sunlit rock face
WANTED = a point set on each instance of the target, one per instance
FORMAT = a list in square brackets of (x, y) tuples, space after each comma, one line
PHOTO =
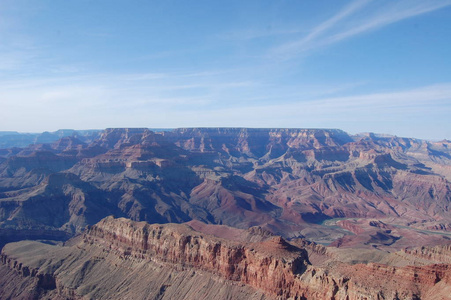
[(120, 258), (288, 181)]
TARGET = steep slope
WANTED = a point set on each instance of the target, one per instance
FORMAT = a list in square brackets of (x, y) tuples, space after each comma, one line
[(289, 181), (119, 258), (61, 201)]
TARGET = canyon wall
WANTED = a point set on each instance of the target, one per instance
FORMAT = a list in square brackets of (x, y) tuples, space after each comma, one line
[(91, 264)]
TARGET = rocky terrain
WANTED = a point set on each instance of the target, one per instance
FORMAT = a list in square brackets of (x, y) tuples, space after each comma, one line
[(123, 259), (253, 202), (289, 181)]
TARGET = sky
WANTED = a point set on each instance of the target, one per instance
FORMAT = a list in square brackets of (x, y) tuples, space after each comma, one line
[(379, 66)]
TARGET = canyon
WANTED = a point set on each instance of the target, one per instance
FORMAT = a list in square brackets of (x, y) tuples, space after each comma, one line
[(253, 213), (124, 259)]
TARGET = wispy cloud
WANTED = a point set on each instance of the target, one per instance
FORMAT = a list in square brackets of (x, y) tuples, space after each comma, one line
[(104, 101), (407, 113), (64, 94), (250, 34), (226, 80), (376, 104), (359, 17), (397, 101), (343, 14)]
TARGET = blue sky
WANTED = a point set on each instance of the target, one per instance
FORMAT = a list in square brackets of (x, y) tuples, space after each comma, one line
[(380, 66)]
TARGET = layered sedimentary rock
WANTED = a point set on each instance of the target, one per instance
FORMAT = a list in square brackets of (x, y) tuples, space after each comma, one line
[(288, 181), (119, 258), (270, 265)]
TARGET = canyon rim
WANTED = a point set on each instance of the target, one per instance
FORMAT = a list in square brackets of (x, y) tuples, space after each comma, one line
[(262, 213)]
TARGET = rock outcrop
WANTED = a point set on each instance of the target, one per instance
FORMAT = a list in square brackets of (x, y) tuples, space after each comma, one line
[(271, 265), (287, 181), (170, 260)]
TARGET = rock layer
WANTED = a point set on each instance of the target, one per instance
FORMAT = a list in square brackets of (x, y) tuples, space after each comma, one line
[(121, 256), (288, 181), (271, 265)]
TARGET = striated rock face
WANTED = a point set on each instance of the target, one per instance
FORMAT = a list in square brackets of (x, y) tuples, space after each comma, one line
[(88, 272), (255, 142), (375, 281), (287, 181), (271, 265), (119, 258), (390, 194), (437, 254)]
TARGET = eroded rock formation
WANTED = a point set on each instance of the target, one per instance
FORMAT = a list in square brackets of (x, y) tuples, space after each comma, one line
[(119, 258), (287, 181)]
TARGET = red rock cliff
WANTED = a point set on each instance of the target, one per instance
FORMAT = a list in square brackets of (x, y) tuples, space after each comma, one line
[(274, 265)]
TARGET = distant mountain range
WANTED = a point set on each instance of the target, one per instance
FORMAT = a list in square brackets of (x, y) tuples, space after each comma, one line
[(13, 139)]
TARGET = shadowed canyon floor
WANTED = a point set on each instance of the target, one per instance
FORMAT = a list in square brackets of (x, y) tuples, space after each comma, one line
[(373, 200)]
